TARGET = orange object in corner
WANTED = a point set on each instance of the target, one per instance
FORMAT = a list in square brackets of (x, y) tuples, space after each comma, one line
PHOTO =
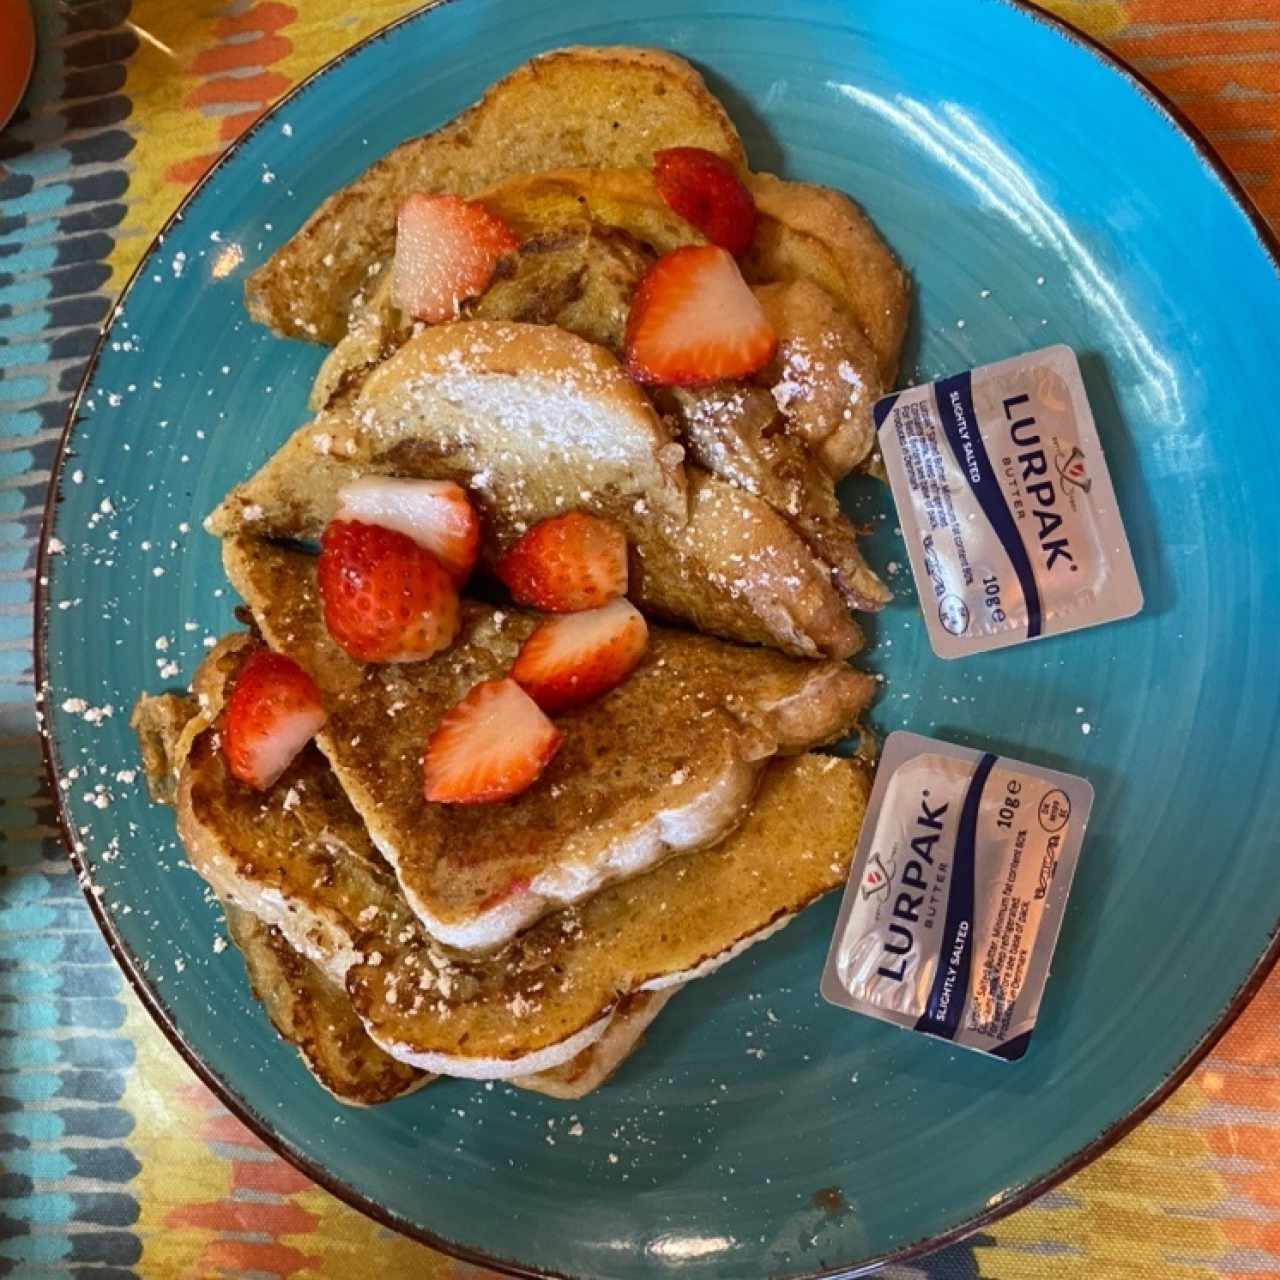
[(17, 54)]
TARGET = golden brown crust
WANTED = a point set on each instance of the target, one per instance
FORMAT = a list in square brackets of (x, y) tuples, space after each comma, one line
[(605, 106), (570, 970), (737, 433), (314, 1014), (632, 1017), (159, 721), (809, 232), (739, 570), (825, 376)]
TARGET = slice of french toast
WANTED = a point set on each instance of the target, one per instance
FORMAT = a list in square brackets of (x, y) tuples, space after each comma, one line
[(534, 421), (575, 106), (297, 857), (666, 762), (315, 1015), (279, 857), (808, 232), (568, 1000), (558, 983), (579, 275)]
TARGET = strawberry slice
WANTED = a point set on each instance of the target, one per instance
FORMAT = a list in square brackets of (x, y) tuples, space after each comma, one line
[(273, 712), (694, 320), (385, 598), (567, 563), (490, 746), (446, 250), (436, 514), (572, 659), (704, 188)]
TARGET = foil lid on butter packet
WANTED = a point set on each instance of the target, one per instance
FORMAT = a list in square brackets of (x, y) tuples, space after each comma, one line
[(1006, 505), (957, 893)]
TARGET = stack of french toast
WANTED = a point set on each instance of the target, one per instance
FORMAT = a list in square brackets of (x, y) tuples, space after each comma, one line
[(549, 606)]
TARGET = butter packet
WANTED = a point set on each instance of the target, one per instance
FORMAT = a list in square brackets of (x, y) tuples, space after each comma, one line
[(956, 893), (1010, 520)]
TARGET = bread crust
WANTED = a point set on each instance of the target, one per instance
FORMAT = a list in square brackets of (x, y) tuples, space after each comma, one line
[(611, 106)]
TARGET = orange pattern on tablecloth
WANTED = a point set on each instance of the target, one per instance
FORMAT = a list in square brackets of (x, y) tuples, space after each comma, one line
[(234, 81), (1220, 62)]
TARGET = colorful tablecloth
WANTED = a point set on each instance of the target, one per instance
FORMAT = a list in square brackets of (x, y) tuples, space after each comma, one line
[(114, 1160)]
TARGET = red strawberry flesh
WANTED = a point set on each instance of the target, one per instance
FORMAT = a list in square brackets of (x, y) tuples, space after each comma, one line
[(274, 710), (567, 563), (446, 251), (385, 598), (491, 746), (704, 189), (693, 320), (571, 659)]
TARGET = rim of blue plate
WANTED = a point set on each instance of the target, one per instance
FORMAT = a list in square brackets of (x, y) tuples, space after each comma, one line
[(258, 1124)]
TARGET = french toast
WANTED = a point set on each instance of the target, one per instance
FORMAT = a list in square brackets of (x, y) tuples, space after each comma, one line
[(559, 982), (580, 351), (298, 858), (803, 232), (807, 232), (315, 1014), (575, 106), (574, 269), (283, 853), (668, 761), (612, 958), (534, 421), (581, 279)]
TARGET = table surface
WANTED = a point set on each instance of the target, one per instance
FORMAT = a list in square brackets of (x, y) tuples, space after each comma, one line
[(116, 1160)]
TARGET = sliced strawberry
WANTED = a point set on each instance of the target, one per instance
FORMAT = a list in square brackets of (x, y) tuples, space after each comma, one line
[(436, 514), (567, 563), (704, 188), (385, 598), (446, 250), (492, 745), (274, 710), (694, 320), (572, 659)]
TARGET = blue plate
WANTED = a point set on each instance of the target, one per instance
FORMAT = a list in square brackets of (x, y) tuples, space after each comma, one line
[(1037, 195)]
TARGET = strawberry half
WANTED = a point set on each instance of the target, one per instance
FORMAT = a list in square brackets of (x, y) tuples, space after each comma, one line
[(273, 712), (446, 250), (572, 659), (704, 188), (385, 598), (490, 746), (694, 320), (436, 514), (567, 563)]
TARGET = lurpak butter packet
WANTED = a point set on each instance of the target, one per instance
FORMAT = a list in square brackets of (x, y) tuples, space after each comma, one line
[(1003, 495), (957, 893)]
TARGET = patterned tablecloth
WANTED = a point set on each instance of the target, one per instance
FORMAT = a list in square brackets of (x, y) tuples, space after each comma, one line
[(116, 1161)]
